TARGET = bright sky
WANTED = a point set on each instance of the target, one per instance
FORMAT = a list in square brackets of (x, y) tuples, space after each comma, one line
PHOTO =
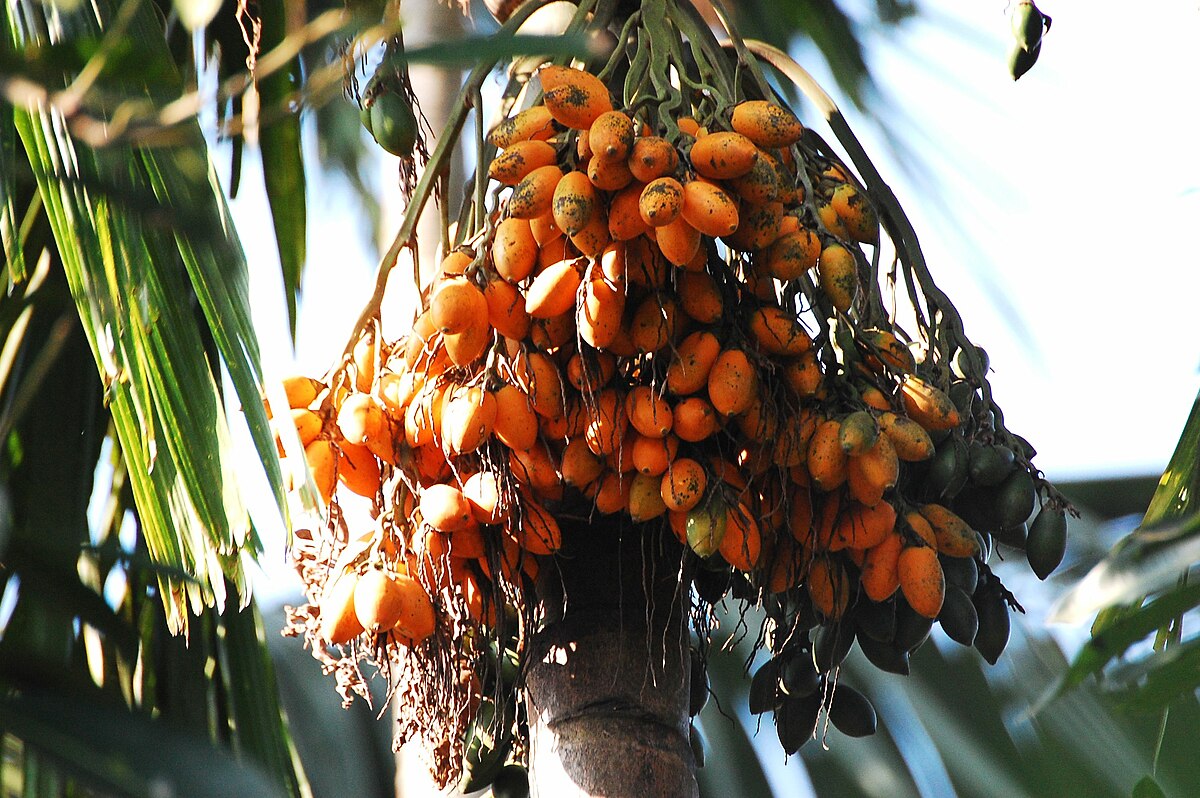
[(1053, 213)]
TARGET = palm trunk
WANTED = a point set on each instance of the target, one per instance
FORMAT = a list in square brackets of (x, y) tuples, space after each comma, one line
[(607, 680)]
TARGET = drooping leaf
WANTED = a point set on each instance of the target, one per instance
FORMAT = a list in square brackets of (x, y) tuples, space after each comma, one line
[(111, 746), (139, 232), (1166, 544), (249, 677), (1116, 637), (282, 156)]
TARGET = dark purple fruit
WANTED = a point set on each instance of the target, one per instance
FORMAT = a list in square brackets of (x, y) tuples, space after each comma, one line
[(851, 712)]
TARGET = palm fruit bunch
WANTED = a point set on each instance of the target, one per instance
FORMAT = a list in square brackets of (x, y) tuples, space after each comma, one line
[(667, 304)]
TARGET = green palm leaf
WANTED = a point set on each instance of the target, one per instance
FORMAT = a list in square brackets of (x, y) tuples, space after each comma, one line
[(141, 232)]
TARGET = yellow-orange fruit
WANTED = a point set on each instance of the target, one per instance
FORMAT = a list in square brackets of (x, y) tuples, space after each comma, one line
[(838, 275), (831, 222), (322, 457), (829, 587), (444, 507), (536, 468), (661, 201), (644, 264), (910, 440), (573, 203), (485, 497), (552, 292), (569, 425), (544, 231), (455, 264), (358, 470), (466, 544), (532, 123), (598, 316), (420, 424), (873, 397), (467, 346), (308, 424), (920, 527), (377, 600), (539, 532), (553, 333), (788, 566), (855, 213), (580, 465), (709, 209), (791, 443), (683, 485), (625, 220), (722, 156), (872, 473), (741, 545), (927, 405), (827, 461), (609, 176), (506, 310), (699, 296), (613, 263), (649, 413), (561, 249), (339, 623), (800, 514), (777, 332), (793, 254), (456, 305), (653, 456), (882, 347), (612, 494), (953, 535), (652, 157), (654, 323), (759, 226), (645, 499), (511, 166), (859, 526), (858, 433), (760, 421), (760, 184), (594, 237), (592, 371), (430, 464), (516, 424), (301, 391), (467, 419), (921, 580), (611, 136), (365, 355), (514, 250), (608, 423), (692, 363), (880, 575), (578, 100), (825, 520), (803, 374), (678, 241), (767, 124), (533, 196), (732, 382), (394, 602), (694, 419), (544, 383)]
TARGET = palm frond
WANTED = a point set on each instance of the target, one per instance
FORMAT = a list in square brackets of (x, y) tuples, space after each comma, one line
[(140, 231)]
